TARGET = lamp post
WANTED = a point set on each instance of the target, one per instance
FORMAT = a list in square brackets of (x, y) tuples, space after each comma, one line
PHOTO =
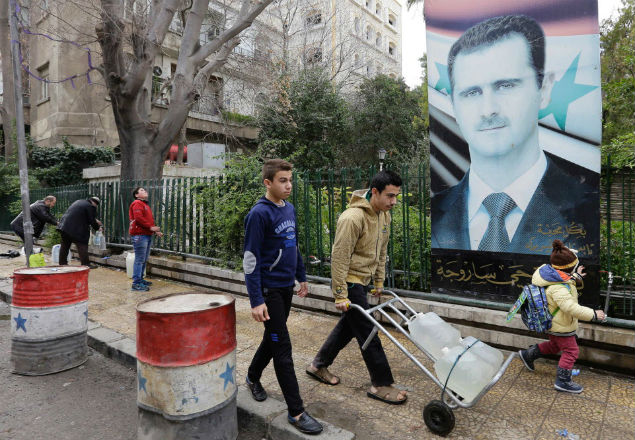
[(382, 155)]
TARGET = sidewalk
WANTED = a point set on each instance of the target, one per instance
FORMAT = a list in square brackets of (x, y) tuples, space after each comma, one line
[(523, 405)]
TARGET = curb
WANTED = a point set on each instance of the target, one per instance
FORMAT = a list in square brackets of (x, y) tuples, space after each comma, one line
[(268, 417)]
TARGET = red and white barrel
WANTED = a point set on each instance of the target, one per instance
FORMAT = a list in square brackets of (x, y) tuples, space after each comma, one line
[(49, 319), (186, 367)]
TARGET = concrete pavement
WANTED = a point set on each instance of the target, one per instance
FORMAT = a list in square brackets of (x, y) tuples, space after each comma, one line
[(523, 405)]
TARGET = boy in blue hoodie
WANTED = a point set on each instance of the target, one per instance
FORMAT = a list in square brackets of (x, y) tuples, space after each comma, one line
[(561, 280), (272, 262)]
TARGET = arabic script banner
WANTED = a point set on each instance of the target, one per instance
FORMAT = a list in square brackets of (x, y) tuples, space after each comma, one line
[(515, 128)]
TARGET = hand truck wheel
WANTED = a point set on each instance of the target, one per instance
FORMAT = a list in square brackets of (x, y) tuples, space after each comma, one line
[(438, 417)]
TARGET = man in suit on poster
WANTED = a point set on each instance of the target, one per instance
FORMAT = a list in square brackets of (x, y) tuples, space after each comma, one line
[(515, 197)]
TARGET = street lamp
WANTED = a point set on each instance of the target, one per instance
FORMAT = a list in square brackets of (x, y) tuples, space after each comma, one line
[(382, 155)]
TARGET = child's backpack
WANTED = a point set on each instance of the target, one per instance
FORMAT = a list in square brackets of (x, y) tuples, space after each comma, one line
[(533, 307)]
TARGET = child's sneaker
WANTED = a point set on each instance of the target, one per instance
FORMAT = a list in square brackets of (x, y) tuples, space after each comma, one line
[(139, 287), (145, 282)]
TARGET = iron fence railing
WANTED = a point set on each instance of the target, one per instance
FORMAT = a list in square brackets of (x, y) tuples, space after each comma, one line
[(319, 197)]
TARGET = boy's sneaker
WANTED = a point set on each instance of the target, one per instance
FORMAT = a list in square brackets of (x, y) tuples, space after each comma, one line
[(145, 282), (138, 287), (257, 391)]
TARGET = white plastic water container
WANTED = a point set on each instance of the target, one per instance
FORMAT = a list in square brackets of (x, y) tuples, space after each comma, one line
[(470, 375), (489, 354), (129, 263), (55, 254), (100, 241), (433, 333)]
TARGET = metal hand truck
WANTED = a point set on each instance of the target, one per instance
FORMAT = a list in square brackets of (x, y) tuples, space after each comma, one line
[(437, 414)]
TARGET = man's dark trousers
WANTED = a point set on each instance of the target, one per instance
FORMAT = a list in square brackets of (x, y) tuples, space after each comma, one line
[(82, 250), (276, 345), (354, 324)]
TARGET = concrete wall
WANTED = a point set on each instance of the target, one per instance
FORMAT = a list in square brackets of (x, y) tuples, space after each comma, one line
[(600, 345)]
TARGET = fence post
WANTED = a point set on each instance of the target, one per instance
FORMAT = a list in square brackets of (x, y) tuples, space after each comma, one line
[(608, 211)]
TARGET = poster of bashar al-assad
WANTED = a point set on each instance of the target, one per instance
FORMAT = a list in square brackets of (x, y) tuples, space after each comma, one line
[(515, 128)]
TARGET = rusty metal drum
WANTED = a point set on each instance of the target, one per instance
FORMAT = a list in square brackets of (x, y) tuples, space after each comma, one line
[(186, 367), (49, 317)]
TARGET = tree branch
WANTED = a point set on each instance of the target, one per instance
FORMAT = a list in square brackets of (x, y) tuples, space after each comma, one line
[(219, 60), (146, 47), (244, 19)]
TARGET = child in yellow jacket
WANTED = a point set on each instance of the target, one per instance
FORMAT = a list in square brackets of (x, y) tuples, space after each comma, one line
[(561, 279)]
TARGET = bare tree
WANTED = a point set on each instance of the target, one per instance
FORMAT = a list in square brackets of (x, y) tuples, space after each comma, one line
[(143, 144)]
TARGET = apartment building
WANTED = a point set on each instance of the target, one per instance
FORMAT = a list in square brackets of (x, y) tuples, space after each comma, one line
[(353, 39)]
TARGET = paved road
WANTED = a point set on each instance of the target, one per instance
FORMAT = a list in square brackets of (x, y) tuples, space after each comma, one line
[(96, 401)]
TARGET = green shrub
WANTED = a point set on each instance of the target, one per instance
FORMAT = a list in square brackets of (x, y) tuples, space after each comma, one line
[(622, 250), (57, 166), (226, 201), (52, 236)]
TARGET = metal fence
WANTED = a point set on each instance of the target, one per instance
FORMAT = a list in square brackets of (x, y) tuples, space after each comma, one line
[(319, 197)]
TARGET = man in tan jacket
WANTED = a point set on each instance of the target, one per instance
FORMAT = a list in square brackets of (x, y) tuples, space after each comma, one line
[(358, 258)]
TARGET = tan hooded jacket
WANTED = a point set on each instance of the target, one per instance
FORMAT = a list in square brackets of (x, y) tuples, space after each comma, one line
[(359, 250), (566, 298)]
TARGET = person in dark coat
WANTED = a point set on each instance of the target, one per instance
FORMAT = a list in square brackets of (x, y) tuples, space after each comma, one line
[(75, 228), (40, 216)]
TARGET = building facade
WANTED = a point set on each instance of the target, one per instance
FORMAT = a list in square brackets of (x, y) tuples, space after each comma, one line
[(352, 39)]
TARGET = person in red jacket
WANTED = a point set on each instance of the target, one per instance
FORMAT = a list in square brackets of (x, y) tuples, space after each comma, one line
[(142, 228)]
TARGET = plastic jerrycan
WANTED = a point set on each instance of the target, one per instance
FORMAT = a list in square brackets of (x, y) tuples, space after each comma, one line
[(470, 374), (129, 263), (433, 333), (489, 354), (55, 254)]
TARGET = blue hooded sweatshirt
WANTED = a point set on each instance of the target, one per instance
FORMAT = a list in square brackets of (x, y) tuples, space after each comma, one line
[(272, 258)]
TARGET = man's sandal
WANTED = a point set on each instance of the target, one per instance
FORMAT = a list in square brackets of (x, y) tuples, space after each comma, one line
[(388, 395), (323, 375)]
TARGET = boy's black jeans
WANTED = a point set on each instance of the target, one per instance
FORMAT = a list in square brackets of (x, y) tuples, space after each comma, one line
[(276, 344), (354, 324)]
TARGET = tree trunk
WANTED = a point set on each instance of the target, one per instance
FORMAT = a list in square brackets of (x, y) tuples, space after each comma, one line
[(8, 101), (140, 158)]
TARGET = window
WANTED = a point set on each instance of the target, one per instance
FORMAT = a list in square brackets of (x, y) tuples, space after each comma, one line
[(379, 69), (313, 55), (392, 49), (43, 73), (211, 28), (369, 69), (313, 19), (356, 60), (357, 25), (378, 39), (368, 4), (369, 32), (392, 20), (378, 8)]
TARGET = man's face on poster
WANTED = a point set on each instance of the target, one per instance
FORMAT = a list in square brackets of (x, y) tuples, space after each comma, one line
[(496, 97)]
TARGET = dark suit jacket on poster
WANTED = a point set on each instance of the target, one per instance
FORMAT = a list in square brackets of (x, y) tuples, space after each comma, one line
[(565, 205)]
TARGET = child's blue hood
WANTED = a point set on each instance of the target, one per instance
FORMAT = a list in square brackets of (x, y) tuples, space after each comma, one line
[(546, 275)]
